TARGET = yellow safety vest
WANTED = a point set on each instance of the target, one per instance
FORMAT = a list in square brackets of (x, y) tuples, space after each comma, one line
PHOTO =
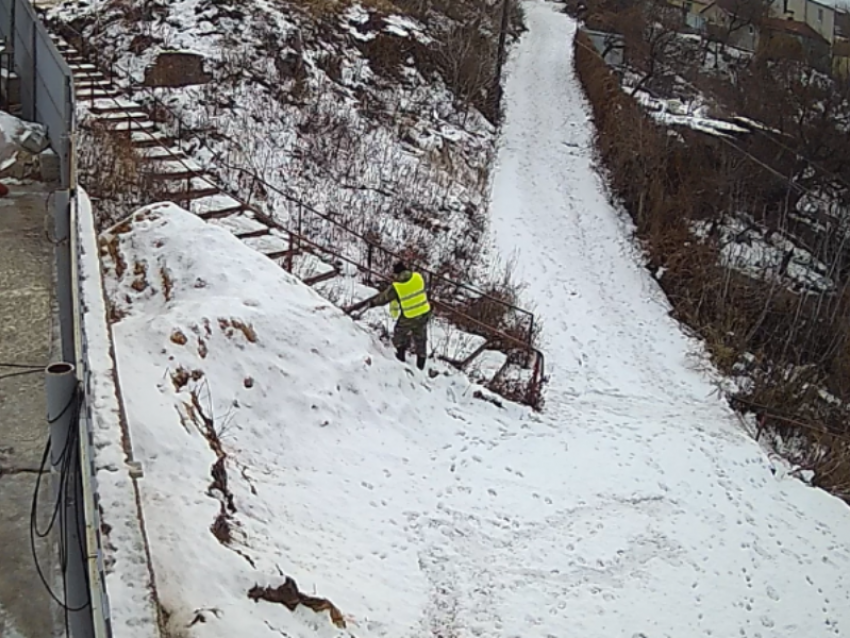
[(411, 298)]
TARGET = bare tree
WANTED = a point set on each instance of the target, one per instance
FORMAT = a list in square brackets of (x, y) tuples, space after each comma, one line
[(650, 31), (736, 16)]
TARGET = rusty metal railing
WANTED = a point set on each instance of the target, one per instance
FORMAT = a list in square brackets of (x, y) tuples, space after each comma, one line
[(496, 337)]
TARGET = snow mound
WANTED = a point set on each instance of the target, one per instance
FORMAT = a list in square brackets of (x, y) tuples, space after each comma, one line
[(326, 441)]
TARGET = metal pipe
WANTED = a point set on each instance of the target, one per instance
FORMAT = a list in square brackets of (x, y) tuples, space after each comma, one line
[(63, 416), (62, 231), (60, 384)]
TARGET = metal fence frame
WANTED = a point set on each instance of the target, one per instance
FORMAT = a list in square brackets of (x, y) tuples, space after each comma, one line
[(47, 97), (46, 82)]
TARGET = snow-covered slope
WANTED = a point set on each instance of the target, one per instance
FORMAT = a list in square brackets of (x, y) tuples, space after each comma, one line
[(633, 506), (415, 508), (330, 443), (339, 105)]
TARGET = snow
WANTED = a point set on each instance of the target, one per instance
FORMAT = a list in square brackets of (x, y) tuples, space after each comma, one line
[(13, 133), (692, 113), (333, 435), (634, 505), (418, 509), (747, 248), (405, 27), (675, 509), (128, 581)]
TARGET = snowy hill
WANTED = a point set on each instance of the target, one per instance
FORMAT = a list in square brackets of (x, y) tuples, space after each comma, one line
[(370, 111), (278, 437), (284, 378)]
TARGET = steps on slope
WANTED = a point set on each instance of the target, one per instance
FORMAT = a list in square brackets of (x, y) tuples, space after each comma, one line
[(178, 178)]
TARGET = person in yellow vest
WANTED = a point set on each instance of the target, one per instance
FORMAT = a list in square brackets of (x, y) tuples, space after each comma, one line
[(409, 306)]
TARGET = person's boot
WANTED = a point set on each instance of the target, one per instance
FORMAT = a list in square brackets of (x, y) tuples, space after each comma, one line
[(420, 362), (399, 354)]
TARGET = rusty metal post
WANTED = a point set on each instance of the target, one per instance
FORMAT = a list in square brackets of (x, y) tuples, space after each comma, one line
[(288, 261), (530, 340), (533, 395), (300, 230), (369, 249)]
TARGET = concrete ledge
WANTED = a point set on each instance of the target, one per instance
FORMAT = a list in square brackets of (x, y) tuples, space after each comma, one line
[(26, 317), (133, 607)]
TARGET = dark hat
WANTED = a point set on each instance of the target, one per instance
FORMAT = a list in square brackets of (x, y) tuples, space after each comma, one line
[(399, 267)]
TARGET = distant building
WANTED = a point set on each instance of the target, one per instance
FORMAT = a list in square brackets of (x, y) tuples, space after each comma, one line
[(611, 46), (820, 17), (691, 13), (842, 26), (733, 22), (841, 45), (796, 39)]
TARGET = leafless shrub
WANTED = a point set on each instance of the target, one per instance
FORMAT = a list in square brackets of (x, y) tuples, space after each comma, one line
[(796, 340), (112, 172), (466, 56)]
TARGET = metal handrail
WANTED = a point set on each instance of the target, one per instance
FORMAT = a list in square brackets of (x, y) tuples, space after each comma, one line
[(533, 392), (113, 65)]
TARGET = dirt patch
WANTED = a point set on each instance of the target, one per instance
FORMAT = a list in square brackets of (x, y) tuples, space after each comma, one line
[(179, 338), (109, 246), (230, 326), (290, 597), (219, 476), (140, 272), (167, 283), (177, 69), (221, 527), (181, 377)]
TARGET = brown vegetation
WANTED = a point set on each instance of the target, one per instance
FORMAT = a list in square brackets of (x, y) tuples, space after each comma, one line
[(790, 342), (112, 171), (290, 597)]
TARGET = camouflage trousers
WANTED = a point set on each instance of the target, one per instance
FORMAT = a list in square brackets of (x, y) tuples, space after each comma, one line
[(415, 329)]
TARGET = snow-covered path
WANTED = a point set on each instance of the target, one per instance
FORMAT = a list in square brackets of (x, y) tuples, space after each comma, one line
[(607, 332), (679, 523)]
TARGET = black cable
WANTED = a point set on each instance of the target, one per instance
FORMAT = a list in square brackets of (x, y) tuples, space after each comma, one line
[(22, 365), (74, 399), (33, 533), (21, 373), (69, 473), (33, 520), (62, 478)]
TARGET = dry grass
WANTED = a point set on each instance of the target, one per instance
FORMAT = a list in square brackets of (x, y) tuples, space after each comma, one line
[(112, 172), (140, 273), (291, 597), (180, 378), (167, 283), (221, 528), (230, 326), (665, 184)]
